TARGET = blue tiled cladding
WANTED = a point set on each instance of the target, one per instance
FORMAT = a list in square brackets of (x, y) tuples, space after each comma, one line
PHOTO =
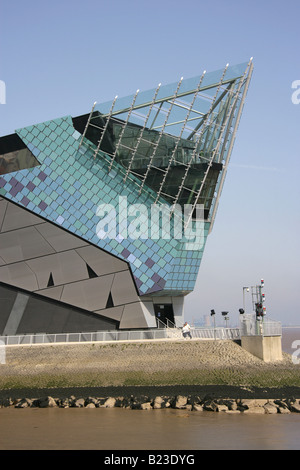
[(69, 185)]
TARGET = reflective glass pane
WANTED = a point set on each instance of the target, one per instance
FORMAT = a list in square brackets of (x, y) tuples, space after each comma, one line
[(18, 160)]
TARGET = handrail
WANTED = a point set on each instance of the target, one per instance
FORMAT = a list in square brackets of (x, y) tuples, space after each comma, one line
[(118, 335), (251, 326)]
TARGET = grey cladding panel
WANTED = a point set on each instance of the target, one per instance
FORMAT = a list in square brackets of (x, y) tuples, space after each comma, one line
[(52, 292), (58, 238), (90, 295), (3, 207), (133, 317), (16, 217), (100, 261), (19, 275), (23, 244), (114, 313), (123, 290), (65, 267)]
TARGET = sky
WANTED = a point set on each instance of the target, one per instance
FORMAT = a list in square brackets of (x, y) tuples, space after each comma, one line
[(58, 57)]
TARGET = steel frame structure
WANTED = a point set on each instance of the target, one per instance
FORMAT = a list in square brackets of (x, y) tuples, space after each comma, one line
[(206, 116)]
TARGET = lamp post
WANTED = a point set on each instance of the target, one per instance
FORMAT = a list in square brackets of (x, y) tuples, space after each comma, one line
[(247, 290), (242, 320), (226, 318), (212, 314)]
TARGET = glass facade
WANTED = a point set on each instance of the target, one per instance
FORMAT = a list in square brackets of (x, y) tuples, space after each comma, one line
[(14, 155), (159, 149), (164, 148)]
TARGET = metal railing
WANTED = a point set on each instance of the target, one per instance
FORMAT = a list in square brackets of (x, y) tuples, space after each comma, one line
[(216, 333), (95, 336), (251, 326), (118, 335)]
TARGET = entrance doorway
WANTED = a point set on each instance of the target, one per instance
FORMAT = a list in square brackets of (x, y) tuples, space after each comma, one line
[(164, 312)]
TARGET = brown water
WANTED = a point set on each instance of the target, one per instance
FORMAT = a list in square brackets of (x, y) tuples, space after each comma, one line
[(167, 429), (123, 429)]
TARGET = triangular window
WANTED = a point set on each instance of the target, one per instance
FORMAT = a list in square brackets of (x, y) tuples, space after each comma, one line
[(50, 281), (109, 302), (91, 272)]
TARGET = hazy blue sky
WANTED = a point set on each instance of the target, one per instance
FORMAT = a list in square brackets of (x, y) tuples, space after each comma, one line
[(58, 57)]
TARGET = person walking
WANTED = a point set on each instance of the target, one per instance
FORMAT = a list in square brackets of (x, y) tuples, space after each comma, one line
[(186, 331)]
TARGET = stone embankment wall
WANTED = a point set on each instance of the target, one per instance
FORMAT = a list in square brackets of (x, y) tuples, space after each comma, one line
[(178, 362)]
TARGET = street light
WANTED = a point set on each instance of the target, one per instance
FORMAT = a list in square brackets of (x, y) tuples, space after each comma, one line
[(226, 318), (212, 314), (247, 290)]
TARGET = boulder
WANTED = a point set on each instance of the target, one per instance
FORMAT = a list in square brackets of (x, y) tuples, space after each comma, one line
[(180, 402), (119, 402), (261, 401), (47, 402), (246, 403), (158, 403), (5, 402), (281, 403), (210, 405), (295, 407), (78, 403), (231, 405), (146, 406), (197, 407), (270, 408), (249, 404), (91, 401), (222, 407), (23, 403), (109, 402), (90, 405), (135, 403), (64, 403), (283, 410)]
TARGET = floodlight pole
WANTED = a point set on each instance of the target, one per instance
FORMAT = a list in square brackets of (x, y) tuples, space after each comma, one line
[(247, 290), (213, 314)]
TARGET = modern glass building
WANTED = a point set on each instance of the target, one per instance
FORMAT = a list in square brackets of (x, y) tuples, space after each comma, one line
[(104, 216)]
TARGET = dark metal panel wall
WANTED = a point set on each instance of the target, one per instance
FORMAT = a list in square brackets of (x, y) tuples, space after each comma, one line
[(40, 257), (41, 315)]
